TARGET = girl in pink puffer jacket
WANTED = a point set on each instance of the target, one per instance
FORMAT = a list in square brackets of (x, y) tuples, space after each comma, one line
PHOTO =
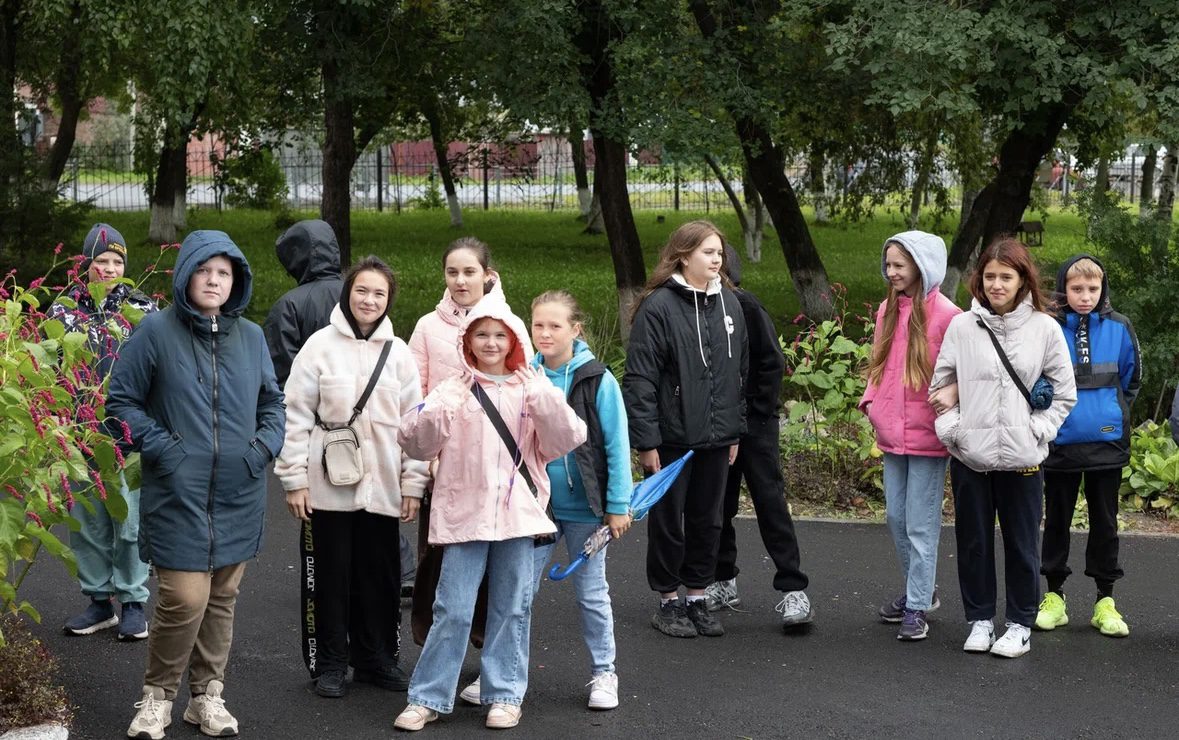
[(910, 324), (488, 510)]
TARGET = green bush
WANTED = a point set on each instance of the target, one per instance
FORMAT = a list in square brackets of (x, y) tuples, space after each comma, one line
[(1151, 481), (251, 178)]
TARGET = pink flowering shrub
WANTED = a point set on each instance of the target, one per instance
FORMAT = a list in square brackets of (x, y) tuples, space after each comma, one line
[(55, 453)]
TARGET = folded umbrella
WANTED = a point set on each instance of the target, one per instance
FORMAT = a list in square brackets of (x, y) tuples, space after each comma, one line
[(646, 494)]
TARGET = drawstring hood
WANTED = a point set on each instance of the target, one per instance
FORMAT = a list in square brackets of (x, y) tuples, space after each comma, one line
[(714, 288)]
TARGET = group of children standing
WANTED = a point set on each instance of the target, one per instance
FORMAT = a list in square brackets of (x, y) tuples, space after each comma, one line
[(505, 438), (946, 383)]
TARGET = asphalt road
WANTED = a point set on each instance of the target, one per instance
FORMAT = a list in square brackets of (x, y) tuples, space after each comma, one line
[(846, 677)]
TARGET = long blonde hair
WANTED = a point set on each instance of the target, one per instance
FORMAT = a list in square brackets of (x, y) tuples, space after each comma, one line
[(681, 243), (918, 363)]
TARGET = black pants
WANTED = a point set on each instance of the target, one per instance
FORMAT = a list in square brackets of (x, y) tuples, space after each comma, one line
[(1016, 496), (1101, 552), (351, 569), (683, 529), (760, 462)]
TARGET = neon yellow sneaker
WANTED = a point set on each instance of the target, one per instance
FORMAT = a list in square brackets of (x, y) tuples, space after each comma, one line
[(1052, 612), (1107, 620)]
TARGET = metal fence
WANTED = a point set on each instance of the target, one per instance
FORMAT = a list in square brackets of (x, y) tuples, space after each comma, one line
[(391, 179)]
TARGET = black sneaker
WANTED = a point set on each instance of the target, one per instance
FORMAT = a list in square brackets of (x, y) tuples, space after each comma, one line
[(390, 678), (894, 612), (672, 619), (704, 621), (330, 684)]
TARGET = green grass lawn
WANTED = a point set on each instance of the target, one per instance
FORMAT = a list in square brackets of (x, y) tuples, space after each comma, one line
[(537, 251)]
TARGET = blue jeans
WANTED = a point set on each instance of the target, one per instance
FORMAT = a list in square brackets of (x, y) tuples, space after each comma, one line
[(511, 574), (593, 596), (108, 551), (913, 490)]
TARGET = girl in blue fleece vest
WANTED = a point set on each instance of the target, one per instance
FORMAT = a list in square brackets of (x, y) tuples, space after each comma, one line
[(591, 485)]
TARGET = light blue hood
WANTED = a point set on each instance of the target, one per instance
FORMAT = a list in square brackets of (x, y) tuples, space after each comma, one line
[(927, 250)]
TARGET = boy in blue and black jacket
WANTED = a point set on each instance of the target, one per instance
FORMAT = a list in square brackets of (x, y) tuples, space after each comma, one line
[(1093, 443)]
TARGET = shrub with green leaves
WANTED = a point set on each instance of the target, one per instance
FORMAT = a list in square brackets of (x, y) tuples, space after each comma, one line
[(1151, 481), (54, 451)]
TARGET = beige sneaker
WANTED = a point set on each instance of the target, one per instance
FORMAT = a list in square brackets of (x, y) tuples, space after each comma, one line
[(470, 694), (208, 711), (153, 717), (504, 716), (414, 717)]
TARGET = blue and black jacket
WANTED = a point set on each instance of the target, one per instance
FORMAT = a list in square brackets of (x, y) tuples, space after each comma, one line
[(1108, 369)]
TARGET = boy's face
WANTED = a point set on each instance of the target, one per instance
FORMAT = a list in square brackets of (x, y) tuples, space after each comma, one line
[(1083, 293), (210, 285)]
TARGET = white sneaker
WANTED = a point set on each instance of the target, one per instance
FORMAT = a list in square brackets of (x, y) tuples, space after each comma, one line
[(982, 636), (795, 609), (208, 712), (471, 694), (153, 717), (721, 594), (1016, 641), (603, 691)]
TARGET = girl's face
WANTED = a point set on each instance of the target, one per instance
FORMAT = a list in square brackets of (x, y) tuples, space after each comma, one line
[(703, 264), (553, 333), (465, 277), (106, 267), (902, 272), (369, 299), (490, 340), (1001, 283)]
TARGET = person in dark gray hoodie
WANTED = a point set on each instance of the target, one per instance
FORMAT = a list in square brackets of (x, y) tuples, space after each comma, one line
[(311, 255)]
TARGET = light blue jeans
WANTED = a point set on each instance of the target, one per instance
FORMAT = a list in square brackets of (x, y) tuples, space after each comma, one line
[(108, 551), (593, 596), (913, 490), (511, 567)]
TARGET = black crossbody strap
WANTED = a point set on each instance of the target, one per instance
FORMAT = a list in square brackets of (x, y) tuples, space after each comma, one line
[(368, 389), (497, 421), (1006, 363)]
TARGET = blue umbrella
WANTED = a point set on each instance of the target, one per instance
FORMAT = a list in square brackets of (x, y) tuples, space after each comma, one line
[(646, 494)]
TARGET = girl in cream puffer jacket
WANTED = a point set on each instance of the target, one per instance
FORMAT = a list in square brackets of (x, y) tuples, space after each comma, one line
[(998, 441)]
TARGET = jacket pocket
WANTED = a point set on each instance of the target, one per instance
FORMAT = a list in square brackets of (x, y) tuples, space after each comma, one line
[(256, 457), (170, 457), (384, 406), (337, 396)]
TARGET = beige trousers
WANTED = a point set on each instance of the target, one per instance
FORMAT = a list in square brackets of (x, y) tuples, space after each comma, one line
[(192, 627)]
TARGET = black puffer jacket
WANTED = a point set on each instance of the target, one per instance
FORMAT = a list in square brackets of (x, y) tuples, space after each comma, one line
[(767, 364), (310, 253), (685, 369)]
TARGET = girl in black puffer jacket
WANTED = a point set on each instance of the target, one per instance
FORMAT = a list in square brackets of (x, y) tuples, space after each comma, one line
[(687, 357)]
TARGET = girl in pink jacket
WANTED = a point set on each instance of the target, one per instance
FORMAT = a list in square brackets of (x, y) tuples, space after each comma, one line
[(489, 500), (910, 324)]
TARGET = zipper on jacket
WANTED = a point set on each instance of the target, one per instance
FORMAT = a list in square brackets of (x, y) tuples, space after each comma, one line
[(216, 438)]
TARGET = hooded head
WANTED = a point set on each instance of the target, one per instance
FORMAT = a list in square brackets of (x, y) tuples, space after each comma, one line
[(199, 247), (519, 347), (102, 238), (309, 251), (1060, 300), (928, 252)]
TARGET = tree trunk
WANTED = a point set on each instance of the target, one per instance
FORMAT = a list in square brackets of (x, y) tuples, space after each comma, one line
[(610, 187), (1146, 193), (969, 232), (11, 151), (755, 206), (1000, 205), (626, 250), (339, 156), (68, 88), (580, 172), (441, 144), (1102, 177), (750, 228), (816, 175), (593, 220), (163, 222), (921, 182), (766, 163), (1164, 209), (180, 188)]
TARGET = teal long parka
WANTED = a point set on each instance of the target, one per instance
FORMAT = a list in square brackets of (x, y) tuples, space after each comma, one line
[(200, 399)]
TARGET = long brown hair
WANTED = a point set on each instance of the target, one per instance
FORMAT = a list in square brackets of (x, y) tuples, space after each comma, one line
[(1011, 252), (918, 363), (681, 243)]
